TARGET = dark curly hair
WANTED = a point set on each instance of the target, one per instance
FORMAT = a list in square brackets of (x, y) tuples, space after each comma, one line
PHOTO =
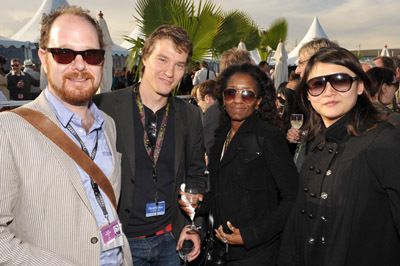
[(267, 110), (364, 115)]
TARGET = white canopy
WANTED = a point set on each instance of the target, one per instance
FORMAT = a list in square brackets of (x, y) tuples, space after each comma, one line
[(385, 51), (281, 67), (30, 32), (6, 42), (315, 31)]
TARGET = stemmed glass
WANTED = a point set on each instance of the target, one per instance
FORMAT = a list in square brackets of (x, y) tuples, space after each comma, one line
[(184, 251), (192, 196), (296, 121)]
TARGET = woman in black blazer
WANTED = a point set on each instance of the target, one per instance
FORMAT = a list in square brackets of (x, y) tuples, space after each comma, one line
[(253, 180)]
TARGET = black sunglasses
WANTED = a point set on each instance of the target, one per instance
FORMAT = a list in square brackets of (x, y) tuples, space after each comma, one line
[(65, 56), (341, 82), (247, 95), (15, 65), (395, 84), (152, 129)]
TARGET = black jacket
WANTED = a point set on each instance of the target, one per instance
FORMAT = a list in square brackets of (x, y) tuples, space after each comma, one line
[(253, 186), (348, 207), (189, 149)]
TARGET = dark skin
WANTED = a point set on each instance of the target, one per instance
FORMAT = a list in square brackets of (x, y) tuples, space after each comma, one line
[(238, 110)]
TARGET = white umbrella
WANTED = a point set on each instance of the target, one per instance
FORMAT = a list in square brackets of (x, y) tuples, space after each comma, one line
[(106, 83), (385, 51), (281, 67), (241, 45)]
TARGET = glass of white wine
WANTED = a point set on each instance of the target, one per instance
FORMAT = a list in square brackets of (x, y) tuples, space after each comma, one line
[(296, 121), (192, 195)]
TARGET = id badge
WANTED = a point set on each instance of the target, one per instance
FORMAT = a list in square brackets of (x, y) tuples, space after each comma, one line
[(110, 232), (152, 209)]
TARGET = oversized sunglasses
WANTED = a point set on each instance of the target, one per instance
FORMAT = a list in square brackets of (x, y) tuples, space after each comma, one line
[(341, 82), (65, 56), (247, 95), (395, 84)]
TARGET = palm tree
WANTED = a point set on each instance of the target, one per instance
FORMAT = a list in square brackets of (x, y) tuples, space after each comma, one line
[(210, 30), (270, 38)]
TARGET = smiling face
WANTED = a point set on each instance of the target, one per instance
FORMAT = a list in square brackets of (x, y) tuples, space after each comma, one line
[(332, 105), (77, 82), (238, 109), (164, 68)]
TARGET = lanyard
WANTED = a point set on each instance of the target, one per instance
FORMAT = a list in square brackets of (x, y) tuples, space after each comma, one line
[(95, 187), (152, 150)]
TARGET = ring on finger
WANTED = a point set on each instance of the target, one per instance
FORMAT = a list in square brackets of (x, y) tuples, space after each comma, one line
[(224, 240)]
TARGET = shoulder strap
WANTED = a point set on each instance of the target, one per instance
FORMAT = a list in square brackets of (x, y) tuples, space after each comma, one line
[(55, 134)]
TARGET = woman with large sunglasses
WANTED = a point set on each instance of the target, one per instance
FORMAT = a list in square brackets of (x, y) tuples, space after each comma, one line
[(348, 208), (382, 91), (253, 180)]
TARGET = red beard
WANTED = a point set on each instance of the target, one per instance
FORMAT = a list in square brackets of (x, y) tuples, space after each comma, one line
[(79, 94)]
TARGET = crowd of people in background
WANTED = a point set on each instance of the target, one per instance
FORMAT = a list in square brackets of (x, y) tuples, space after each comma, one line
[(322, 190)]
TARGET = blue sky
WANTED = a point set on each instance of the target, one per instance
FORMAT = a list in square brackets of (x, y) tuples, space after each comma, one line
[(368, 23)]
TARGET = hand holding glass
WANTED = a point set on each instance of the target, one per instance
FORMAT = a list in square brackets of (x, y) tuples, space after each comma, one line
[(296, 121), (192, 195), (187, 247)]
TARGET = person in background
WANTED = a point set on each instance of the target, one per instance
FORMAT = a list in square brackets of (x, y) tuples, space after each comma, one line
[(348, 202), (162, 144), (234, 56), (119, 81), (51, 213), (30, 68), (253, 177), (263, 65), (19, 83), (203, 74), (3, 79), (207, 101), (382, 91)]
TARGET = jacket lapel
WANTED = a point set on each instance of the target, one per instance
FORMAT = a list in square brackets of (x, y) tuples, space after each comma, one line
[(124, 105), (42, 105), (179, 135)]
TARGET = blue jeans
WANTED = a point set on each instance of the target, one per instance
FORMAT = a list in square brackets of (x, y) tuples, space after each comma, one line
[(156, 250)]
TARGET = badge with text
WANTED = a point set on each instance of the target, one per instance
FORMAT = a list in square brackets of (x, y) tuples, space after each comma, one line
[(110, 232), (152, 209)]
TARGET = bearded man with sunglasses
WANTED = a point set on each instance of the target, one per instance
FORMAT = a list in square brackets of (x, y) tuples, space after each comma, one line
[(161, 141), (51, 211)]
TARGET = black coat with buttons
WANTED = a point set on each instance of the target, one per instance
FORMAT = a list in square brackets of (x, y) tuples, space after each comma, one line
[(254, 187), (348, 207)]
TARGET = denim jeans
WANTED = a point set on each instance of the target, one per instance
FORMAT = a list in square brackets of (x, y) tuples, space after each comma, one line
[(156, 250)]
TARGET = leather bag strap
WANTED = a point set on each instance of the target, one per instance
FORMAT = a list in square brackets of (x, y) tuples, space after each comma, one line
[(56, 135)]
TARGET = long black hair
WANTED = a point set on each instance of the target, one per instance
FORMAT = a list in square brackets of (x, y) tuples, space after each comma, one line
[(363, 116), (265, 90)]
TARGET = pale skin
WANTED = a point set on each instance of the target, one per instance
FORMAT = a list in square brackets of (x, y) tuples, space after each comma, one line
[(164, 68), (83, 37)]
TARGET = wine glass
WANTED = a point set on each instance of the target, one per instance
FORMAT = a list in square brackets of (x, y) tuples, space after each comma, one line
[(192, 195), (296, 121), (185, 249)]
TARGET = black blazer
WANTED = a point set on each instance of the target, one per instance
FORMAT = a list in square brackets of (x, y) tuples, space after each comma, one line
[(189, 149), (254, 187)]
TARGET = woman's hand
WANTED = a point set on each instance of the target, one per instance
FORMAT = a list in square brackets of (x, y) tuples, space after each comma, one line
[(195, 238), (293, 135), (184, 205), (232, 239)]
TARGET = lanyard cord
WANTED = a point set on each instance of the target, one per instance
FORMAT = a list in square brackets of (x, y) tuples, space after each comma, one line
[(95, 187), (152, 150)]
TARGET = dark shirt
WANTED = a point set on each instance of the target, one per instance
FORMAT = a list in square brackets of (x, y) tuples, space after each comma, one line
[(139, 224), (23, 93)]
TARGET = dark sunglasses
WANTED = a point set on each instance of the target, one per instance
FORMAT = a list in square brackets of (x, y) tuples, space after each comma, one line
[(341, 82), (65, 56), (247, 95), (152, 129), (15, 65), (395, 84)]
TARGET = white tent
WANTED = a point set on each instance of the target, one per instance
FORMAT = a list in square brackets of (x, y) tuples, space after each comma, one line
[(315, 31), (134, 35), (385, 51), (281, 67), (26, 46), (30, 32)]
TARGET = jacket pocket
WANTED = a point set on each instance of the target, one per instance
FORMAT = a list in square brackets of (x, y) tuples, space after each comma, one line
[(250, 173)]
